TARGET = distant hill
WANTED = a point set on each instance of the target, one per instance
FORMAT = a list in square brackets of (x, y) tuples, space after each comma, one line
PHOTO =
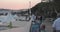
[(21, 11)]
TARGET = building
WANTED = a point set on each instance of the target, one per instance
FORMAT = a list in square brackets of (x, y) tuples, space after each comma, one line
[(4, 12)]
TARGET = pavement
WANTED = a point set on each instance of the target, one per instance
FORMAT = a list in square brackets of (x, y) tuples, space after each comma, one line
[(26, 26), (23, 27)]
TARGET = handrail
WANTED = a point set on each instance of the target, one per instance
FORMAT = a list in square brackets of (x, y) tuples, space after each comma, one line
[(30, 27)]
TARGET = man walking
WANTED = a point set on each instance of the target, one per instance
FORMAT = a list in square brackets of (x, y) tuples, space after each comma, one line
[(56, 25)]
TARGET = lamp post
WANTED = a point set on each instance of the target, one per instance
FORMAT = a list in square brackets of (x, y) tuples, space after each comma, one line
[(30, 7), (30, 10)]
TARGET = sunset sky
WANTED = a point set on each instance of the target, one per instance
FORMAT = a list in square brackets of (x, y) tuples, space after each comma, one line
[(17, 4)]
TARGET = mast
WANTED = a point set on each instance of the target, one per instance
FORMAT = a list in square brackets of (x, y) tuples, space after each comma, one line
[(30, 7)]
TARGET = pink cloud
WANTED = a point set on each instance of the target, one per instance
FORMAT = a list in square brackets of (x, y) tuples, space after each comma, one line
[(17, 4)]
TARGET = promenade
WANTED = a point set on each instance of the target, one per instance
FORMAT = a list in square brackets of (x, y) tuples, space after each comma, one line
[(25, 27)]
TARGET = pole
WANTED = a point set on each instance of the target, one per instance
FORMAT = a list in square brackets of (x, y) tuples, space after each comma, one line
[(30, 10), (30, 15), (30, 7)]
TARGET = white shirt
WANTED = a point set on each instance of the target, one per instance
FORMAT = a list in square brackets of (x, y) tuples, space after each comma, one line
[(33, 17), (56, 24)]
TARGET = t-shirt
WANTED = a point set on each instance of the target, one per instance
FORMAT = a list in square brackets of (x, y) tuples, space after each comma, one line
[(56, 24), (33, 17)]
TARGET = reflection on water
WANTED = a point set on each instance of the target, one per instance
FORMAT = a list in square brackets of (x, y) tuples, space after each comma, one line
[(8, 18), (11, 17), (4, 19), (3, 28)]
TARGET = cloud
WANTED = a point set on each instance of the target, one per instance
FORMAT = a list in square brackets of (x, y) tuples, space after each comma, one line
[(17, 4)]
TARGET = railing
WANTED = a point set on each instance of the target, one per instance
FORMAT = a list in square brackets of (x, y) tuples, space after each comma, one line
[(30, 27)]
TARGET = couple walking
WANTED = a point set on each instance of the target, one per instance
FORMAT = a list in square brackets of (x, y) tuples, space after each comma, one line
[(36, 23)]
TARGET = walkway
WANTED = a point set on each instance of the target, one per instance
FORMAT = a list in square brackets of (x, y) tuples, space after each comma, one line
[(24, 27), (27, 26)]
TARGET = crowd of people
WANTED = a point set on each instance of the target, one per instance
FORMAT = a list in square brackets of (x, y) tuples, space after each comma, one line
[(38, 26)]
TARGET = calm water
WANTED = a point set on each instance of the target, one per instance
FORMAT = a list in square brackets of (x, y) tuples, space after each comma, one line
[(3, 28), (8, 18), (3, 19)]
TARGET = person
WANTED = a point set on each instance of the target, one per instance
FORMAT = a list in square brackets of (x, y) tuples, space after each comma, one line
[(33, 17), (42, 27), (39, 21), (56, 25), (35, 26)]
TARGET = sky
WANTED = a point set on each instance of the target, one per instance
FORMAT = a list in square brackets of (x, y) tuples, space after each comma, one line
[(17, 4)]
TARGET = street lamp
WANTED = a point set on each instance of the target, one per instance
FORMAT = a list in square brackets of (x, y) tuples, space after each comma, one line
[(30, 7)]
